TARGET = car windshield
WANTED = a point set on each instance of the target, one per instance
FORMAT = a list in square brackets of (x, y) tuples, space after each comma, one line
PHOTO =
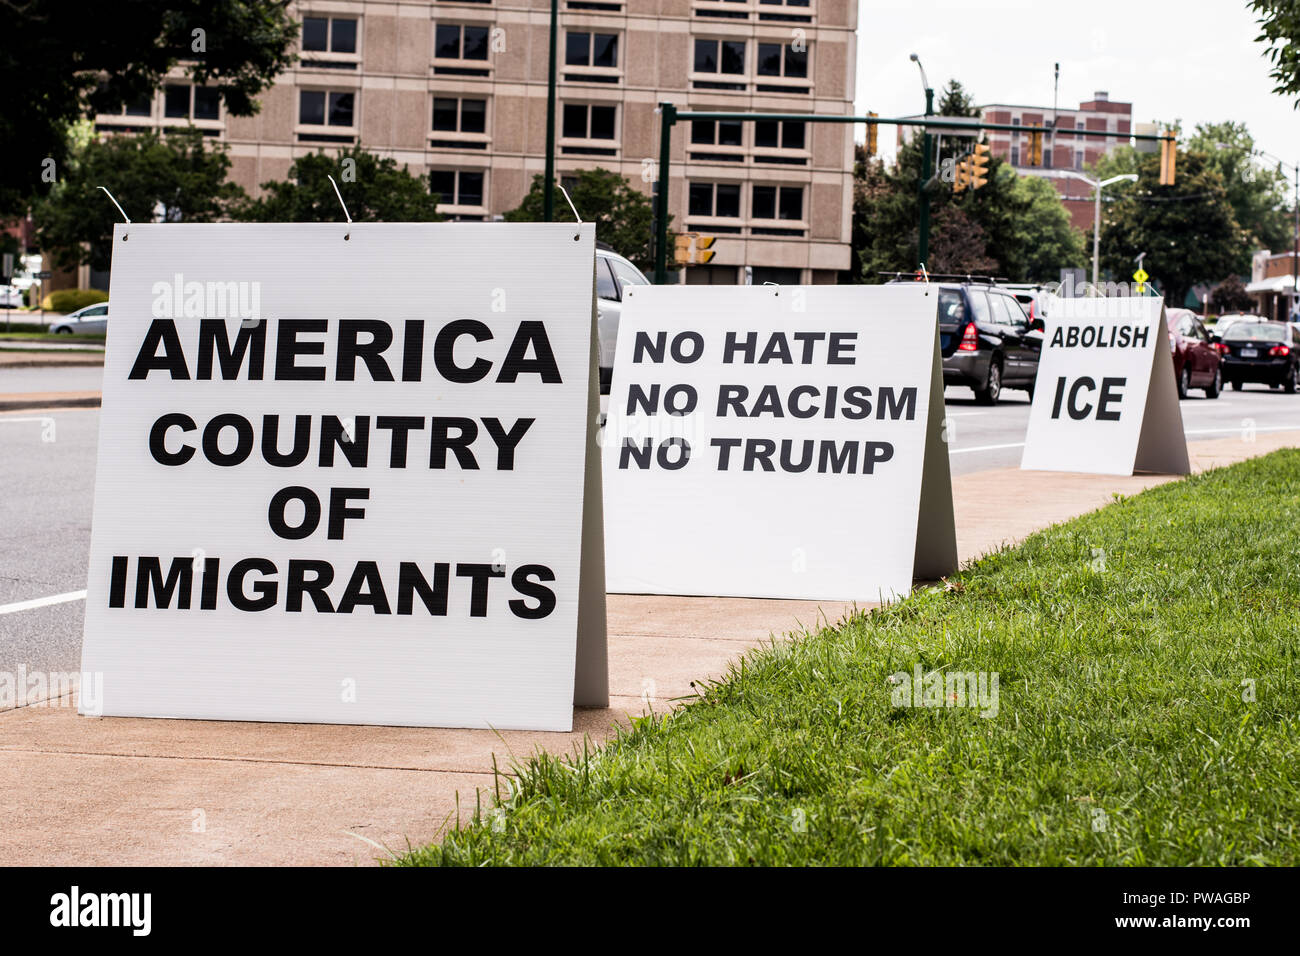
[(1255, 332)]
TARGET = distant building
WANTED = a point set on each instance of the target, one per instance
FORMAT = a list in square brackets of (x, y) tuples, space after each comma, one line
[(1272, 284), (457, 91), (1063, 147)]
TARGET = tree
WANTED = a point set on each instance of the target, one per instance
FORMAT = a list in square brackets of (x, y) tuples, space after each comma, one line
[(177, 178), (1230, 295), (623, 216), (1258, 196), (958, 244), (375, 189), (60, 65), (1279, 22), (1028, 228), (1187, 230)]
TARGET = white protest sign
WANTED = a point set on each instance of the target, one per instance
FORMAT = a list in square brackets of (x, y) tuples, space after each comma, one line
[(782, 442), (1105, 401), (349, 474)]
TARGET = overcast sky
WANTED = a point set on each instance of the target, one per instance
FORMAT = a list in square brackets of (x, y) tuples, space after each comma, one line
[(1191, 60)]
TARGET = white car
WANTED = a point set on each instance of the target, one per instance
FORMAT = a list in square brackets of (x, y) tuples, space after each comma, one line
[(10, 297), (92, 320), (613, 274)]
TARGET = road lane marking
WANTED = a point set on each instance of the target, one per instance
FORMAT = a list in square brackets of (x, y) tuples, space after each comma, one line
[(958, 451), (1242, 428), (42, 602)]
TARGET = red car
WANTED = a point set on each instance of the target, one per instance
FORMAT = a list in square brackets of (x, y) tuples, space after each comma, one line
[(1196, 358)]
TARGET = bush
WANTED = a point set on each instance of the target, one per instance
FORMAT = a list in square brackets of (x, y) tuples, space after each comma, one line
[(70, 300)]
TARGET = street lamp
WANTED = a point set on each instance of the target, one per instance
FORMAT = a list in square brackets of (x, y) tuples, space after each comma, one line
[(923, 230), (1097, 187)]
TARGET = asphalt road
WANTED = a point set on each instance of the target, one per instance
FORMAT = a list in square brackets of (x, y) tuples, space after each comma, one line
[(47, 465)]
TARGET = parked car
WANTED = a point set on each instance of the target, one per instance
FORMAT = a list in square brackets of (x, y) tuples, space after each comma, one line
[(613, 273), (987, 340), (10, 297), (1196, 359), (93, 319), (1267, 352)]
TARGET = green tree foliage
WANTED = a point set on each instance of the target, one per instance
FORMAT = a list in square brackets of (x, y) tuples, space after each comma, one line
[(1187, 230), (177, 178), (64, 62), (1279, 22), (1258, 194), (375, 189), (624, 217), (1230, 295), (1024, 232)]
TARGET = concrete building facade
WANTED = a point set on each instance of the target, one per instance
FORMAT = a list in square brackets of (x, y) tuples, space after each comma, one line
[(457, 92)]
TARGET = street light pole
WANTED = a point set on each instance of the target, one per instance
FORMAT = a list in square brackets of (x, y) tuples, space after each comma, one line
[(548, 196), (927, 170), (1097, 187)]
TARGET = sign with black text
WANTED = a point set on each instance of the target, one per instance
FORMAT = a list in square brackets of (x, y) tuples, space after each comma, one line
[(1105, 401), (777, 441), (349, 474)]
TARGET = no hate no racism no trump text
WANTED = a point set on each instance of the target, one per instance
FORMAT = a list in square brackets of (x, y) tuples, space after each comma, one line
[(461, 351)]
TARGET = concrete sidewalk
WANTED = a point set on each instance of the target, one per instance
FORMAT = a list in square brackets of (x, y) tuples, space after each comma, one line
[(78, 791)]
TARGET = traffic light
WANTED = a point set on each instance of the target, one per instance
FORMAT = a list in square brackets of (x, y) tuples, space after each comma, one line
[(692, 249), (963, 175), (1168, 160), (1036, 148), (682, 248), (872, 142), (979, 166)]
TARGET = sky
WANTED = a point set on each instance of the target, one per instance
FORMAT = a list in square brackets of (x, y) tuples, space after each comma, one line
[(1191, 60)]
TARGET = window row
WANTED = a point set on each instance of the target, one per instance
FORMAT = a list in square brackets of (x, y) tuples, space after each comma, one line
[(723, 201)]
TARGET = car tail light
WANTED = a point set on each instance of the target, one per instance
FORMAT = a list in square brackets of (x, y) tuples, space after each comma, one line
[(969, 340), (1280, 350), (1221, 348)]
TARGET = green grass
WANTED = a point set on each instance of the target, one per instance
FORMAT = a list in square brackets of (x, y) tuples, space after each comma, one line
[(1121, 640)]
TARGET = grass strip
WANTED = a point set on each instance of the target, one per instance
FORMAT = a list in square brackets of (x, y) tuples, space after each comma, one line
[(1146, 714)]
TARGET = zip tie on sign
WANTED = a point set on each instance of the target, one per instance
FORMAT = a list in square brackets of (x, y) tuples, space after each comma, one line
[(347, 215), (571, 206)]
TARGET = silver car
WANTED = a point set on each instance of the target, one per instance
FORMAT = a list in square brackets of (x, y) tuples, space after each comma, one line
[(92, 320), (613, 273)]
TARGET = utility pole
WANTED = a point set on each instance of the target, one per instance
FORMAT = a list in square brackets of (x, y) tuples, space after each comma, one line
[(548, 195), (1097, 187), (1056, 91), (927, 170)]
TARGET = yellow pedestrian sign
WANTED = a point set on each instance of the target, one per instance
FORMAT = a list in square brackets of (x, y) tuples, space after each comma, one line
[(1140, 277)]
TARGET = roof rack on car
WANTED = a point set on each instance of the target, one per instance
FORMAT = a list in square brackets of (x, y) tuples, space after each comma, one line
[(943, 277)]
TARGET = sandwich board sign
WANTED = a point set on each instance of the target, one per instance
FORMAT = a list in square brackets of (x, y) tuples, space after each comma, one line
[(350, 474), (1105, 401), (777, 441)]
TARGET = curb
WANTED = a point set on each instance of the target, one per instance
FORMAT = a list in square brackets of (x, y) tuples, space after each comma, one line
[(39, 400)]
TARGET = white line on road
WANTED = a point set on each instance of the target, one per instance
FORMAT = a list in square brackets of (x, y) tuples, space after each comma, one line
[(43, 602), (1240, 428), (958, 451)]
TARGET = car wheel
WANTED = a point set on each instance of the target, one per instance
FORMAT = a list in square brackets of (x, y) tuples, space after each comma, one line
[(1215, 387), (1236, 386), (988, 395), (1184, 382), (1289, 383), (63, 330)]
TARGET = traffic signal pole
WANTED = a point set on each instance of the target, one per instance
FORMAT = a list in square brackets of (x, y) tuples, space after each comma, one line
[(670, 116)]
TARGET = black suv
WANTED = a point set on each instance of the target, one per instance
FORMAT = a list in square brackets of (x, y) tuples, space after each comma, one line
[(987, 341)]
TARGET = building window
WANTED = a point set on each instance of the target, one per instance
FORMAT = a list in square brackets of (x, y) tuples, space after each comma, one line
[(719, 58), (457, 187), (333, 112), (140, 107), (774, 59), (777, 202), (780, 134), (453, 115), (460, 43), (711, 133), (329, 35), (789, 10), (1015, 155), (182, 101), (591, 49), (718, 200), (584, 123), (1078, 159)]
